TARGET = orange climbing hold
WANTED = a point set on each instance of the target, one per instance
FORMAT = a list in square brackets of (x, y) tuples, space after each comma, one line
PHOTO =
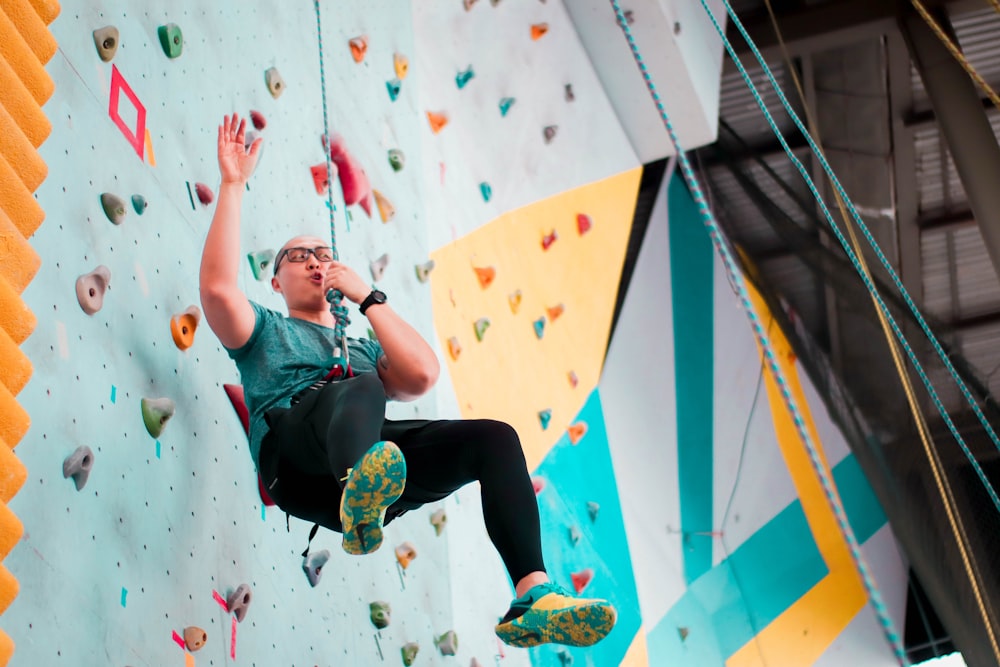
[(485, 275), (405, 553), (538, 30), (437, 119), (359, 47), (555, 311), (576, 432), (454, 348), (320, 181), (183, 325), (401, 64), (582, 579), (385, 208)]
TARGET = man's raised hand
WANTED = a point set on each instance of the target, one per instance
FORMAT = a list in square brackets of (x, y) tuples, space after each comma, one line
[(235, 162)]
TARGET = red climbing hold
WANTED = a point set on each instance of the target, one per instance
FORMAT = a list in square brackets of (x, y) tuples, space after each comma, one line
[(353, 179), (258, 120), (583, 223), (582, 579), (537, 483), (319, 177), (549, 239), (205, 194)]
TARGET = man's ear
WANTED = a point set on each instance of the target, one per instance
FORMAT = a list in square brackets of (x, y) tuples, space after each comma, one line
[(275, 285)]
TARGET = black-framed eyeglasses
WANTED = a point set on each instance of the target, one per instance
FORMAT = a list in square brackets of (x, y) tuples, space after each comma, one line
[(322, 253)]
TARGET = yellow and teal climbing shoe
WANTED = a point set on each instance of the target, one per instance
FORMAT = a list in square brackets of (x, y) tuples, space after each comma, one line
[(548, 614), (372, 485)]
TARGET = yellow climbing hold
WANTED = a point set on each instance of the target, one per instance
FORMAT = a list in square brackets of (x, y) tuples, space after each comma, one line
[(401, 64)]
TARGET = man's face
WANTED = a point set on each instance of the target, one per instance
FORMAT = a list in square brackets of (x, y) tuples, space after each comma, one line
[(300, 269)]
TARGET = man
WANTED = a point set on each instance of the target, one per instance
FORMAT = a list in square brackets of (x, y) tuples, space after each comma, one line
[(324, 449)]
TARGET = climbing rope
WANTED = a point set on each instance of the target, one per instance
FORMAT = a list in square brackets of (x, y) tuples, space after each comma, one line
[(940, 480), (956, 52), (853, 257), (336, 299), (829, 490)]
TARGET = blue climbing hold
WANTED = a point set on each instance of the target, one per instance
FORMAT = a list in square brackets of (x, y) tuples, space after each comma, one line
[(486, 191), (464, 77), (539, 325), (505, 105), (544, 417), (393, 86)]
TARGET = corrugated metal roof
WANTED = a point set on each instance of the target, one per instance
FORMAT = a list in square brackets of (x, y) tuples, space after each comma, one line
[(959, 279), (739, 109)]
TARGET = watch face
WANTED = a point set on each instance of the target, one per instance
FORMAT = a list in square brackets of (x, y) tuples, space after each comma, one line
[(378, 296)]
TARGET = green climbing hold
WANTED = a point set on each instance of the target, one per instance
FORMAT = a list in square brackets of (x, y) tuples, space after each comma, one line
[(380, 614), (544, 417), (171, 40), (486, 191), (114, 207), (396, 159), (481, 325), (409, 652), (505, 105), (139, 203), (539, 325), (393, 86), (155, 414), (371, 335), (463, 77), (260, 262)]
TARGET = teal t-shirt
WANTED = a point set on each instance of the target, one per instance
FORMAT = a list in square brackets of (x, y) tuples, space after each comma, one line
[(283, 356)]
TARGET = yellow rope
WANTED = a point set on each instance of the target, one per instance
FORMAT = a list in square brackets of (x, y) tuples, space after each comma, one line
[(996, 5), (956, 52), (943, 485)]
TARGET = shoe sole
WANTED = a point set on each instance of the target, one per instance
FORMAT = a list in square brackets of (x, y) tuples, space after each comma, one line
[(576, 626), (375, 483)]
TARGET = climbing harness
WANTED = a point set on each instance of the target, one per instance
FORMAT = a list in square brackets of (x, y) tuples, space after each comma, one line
[(829, 490)]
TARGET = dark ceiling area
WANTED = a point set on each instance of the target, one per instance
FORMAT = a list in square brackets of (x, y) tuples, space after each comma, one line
[(914, 143)]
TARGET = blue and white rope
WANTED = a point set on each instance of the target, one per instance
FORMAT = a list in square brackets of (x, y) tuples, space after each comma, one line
[(819, 468), (851, 254), (337, 306)]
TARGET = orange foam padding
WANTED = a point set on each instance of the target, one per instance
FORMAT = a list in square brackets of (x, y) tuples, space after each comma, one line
[(20, 154), (29, 69), (18, 260), (15, 316), (19, 103), (17, 202), (11, 530), (6, 648), (47, 9), (12, 473), (14, 421), (32, 28), (15, 368), (8, 588)]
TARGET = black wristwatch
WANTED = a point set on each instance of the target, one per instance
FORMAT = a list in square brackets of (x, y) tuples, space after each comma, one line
[(377, 296)]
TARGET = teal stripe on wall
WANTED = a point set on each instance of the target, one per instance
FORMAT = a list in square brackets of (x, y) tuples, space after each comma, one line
[(769, 572), (691, 268)]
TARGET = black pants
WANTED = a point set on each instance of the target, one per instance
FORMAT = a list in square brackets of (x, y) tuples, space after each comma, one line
[(309, 447)]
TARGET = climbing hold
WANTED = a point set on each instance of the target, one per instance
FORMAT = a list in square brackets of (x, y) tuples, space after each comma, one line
[(275, 84), (555, 311), (437, 120), (486, 191), (583, 223), (194, 638), (539, 326), (90, 289), (454, 348), (365, 204), (514, 299), (182, 327), (475, 663), (629, 16), (353, 179), (78, 464), (575, 535), (106, 41), (140, 204), (424, 270), (593, 509), (468, 4), (248, 139), (549, 239), (505, 105), (401, 64), (155, 414), (537, 483), (320, 181), (576, 432), (260, 262), (409, 652), (438, 520), (480, 326), (544, 417), (393, 86), (463, 77), (396, 159), (386, 210), (239, 600), (380, 613), (569, 93), (405, 553), (683, 632), (447, 643), (171, 39), (549, 133), (258, 120), (573, 379), (494, 2), (114, 207), (565, 657), (538, 30), (377, 267), (359, 47), (485, 275), (313, 564), (581, 579), (205, 194)]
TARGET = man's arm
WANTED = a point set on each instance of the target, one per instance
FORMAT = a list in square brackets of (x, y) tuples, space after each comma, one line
[(409, 367), (227, 310)]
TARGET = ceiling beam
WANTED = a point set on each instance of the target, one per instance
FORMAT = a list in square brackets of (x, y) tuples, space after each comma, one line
[(917, 120)]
